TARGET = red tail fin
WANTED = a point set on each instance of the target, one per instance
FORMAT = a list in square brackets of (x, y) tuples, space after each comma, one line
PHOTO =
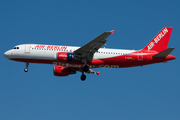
[(160, 41)]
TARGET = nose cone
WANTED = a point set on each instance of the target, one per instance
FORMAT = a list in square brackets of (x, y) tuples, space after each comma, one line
[(7, 54)]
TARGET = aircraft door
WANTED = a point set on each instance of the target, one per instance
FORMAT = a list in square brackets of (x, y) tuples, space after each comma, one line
[(27, 48), (140, 55)]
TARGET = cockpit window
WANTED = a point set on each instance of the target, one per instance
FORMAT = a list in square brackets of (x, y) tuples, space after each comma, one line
[(15, 47)]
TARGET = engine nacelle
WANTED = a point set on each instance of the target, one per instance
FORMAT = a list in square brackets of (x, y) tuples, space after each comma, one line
[(64, 57), (62, 71)]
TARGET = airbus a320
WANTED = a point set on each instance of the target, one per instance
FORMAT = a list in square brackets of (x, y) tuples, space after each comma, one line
[(70, 59)]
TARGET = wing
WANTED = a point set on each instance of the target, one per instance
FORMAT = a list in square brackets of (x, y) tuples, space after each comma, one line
[(87, 51)]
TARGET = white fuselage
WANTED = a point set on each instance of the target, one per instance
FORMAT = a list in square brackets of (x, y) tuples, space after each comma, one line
[(49, 52)]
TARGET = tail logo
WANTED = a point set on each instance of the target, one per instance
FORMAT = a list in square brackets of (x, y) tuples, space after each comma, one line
[(157, 38)]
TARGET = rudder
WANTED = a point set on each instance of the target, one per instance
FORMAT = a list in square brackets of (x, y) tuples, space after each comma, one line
[(160, 41)]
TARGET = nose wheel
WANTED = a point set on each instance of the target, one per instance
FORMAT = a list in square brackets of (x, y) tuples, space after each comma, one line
[(26, 69)]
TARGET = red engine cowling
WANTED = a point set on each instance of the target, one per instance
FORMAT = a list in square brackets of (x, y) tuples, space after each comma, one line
[(64, 57), (62, 71)]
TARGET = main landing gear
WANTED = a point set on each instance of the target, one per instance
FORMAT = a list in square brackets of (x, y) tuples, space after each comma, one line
[(83, 77), (26, 69), (85, 69)]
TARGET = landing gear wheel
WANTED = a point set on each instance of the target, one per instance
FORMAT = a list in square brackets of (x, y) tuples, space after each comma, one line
[(25, 70), (86, 68), (83, 77)]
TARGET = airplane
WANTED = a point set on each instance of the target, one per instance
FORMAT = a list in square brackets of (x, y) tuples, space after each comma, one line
[(70, 59)]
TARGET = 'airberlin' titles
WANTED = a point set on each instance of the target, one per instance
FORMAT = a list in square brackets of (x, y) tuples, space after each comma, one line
[(51, 47), (157, 38), (151, 45)]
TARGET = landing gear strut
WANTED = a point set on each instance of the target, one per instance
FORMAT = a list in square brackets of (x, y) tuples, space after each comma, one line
[(86, 68), (26, 69), (83, 77)]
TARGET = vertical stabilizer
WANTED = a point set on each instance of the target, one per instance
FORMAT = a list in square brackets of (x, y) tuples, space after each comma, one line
[(160, 41)]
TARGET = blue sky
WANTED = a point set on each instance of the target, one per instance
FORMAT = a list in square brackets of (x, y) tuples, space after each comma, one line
[(150, 92)]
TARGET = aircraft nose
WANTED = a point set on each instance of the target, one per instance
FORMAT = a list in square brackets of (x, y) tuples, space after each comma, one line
[(7, 54)]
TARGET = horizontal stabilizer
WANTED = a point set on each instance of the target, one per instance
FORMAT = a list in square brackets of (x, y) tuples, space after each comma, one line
[(164, 53)]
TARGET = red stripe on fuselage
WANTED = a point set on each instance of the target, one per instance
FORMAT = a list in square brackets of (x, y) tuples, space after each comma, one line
[(129, 60)]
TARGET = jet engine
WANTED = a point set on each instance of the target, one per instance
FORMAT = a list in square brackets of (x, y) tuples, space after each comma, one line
[(63, 71)]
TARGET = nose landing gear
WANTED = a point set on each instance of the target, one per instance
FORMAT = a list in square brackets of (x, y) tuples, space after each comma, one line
[(26, 69)]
